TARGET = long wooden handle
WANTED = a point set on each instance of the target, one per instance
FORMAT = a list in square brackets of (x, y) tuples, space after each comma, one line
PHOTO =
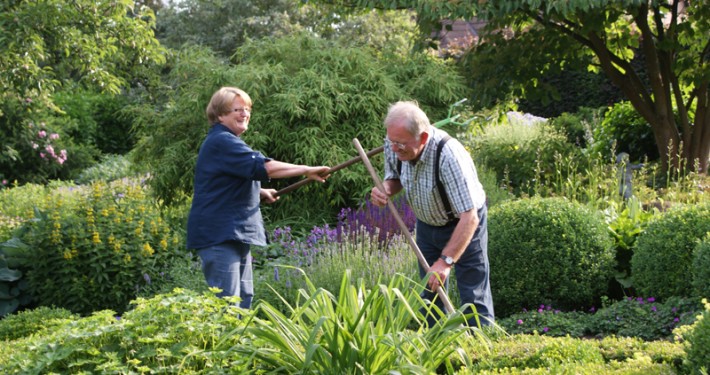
[(402, 226), (338, 167)]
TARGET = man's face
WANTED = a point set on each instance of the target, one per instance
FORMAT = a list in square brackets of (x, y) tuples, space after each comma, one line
[(406, 146)]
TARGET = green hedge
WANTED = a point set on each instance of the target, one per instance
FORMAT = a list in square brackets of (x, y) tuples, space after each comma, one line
[(547, 251), (661, 265)]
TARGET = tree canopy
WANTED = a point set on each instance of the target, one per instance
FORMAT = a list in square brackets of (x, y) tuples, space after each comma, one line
[(671, 38)]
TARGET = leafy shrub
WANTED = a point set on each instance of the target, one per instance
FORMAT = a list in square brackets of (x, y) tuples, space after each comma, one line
[(701, 267), (520, 154), (111, 167), (644, 318), (661, 265), (99, 252), (624, 130), (28, 322), (578, 126), (36, 146), (625, 227), (697, 343), (539, 354), (182, 331), (546, 321), (547, 251)]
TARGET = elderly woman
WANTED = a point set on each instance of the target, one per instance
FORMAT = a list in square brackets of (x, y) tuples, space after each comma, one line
[(225, 218)]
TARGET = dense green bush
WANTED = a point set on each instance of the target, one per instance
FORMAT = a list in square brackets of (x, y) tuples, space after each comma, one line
[(522, 155), (643, 318), (547, 251), (661, 265), (96, 253), (29, 322), (110, 167), (578, 126), (697, 344), (624, 130), (701, 268)]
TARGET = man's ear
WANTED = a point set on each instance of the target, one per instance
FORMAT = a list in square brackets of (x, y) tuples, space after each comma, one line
[(423, 138)]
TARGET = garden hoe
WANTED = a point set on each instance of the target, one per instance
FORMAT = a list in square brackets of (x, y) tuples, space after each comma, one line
[(440, 291), (338, 167)]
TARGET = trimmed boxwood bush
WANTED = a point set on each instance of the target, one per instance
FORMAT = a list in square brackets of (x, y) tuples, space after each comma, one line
[(701, 267), (697, 342), (547, 251), (662, 260)]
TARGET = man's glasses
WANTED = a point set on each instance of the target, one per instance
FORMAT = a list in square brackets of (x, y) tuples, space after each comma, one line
[(400, 146), (242, 111)]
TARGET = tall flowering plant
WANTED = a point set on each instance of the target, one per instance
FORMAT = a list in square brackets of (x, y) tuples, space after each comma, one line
[(99, 251)]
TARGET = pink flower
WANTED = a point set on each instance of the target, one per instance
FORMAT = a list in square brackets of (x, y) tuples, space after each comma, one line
[(34, 146), (520, 321), (4, 182), (42, 134), (53, 136), (42, 155)]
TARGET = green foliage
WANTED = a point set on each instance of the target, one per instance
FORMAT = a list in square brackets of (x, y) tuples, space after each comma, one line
[(661, 265), (578, 126), (547, 321), (96, 253), (697, 342), (701, 267), (626, 222), (97, 119), (31, 322), (311, 98), (361, 330), (537, 354), (179, 332), (110, 168), (223, 26), (547, 251), (643, 318), (624, 130), (97, 44), (522, 155), (13, 288)]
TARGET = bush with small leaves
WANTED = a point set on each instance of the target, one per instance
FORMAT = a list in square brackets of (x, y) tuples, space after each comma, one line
[(661, 265), (547, 251), (696, 341), (99, 252), (28, 322), (701, 267)]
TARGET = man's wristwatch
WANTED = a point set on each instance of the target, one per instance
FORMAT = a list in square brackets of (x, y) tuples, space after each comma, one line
[(448, 260)]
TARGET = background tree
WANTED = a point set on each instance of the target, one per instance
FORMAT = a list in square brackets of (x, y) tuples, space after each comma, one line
[(225, 25), (56, 45), (671, 37)]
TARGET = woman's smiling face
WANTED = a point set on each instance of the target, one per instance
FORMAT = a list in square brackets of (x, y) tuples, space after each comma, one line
[(237, 119)]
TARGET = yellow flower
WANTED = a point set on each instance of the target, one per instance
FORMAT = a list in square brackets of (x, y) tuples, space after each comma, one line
[(147, 249), (127, 258), (67, 254), (96, 238), (163, 244)]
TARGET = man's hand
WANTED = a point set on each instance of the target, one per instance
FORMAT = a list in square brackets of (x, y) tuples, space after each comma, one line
[(440, 269), (378, 198)]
